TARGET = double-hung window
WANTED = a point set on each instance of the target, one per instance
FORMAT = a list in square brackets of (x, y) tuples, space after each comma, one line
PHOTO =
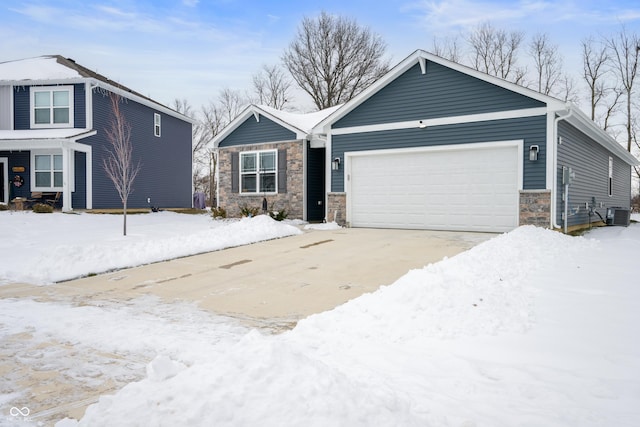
[(47, 171), (258, 171), (51, 106)]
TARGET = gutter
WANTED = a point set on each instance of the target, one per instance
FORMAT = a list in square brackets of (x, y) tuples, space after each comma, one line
[(554, 224)]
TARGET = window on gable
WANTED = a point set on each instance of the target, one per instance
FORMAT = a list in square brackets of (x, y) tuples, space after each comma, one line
[(51, 106), (258, 171), (157, 124), (610, 176), (47, 171)]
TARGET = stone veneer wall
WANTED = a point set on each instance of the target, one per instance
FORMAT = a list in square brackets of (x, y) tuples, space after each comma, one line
[(292, 200), (337, 208), (535, 208)]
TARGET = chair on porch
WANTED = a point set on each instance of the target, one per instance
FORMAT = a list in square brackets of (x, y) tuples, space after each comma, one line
[(54, 201), (36, 197)]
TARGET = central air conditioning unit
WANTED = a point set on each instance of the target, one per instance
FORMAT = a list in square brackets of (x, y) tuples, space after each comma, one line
[(618, 216)]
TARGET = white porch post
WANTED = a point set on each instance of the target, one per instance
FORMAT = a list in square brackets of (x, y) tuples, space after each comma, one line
[(89, 177), (67, 157)]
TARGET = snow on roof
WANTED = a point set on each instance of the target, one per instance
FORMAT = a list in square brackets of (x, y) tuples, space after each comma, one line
[(40, 68), (32, 134), (304, 122)]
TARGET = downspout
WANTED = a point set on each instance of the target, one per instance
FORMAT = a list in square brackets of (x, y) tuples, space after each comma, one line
[(554, 223)]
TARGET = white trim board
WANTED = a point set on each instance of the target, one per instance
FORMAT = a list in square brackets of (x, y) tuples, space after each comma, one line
[(470, 118)]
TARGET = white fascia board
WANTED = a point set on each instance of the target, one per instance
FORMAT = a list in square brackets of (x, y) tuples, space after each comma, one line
[(46, 143), (588, 127), (470, 118), (140, 100), (53, 82), (255, 111)]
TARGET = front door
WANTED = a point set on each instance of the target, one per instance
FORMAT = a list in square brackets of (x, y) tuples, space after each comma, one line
[(315, 183), (4, 180)]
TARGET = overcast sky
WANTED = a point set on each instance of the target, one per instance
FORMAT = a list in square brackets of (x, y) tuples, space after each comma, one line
[(193, 48)]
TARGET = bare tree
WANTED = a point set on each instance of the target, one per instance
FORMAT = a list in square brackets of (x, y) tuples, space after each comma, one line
[(625, 53), (200, 137), (448, 48), (333, 59), (495, 52), (118, 163), (594, 63), (230, 103), (547, 61), (272, 86)]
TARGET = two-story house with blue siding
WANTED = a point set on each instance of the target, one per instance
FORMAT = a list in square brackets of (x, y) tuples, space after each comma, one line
[(436, 145), (53, 117)]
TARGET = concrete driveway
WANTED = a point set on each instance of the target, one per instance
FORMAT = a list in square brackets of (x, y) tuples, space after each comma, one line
[(271, 284)]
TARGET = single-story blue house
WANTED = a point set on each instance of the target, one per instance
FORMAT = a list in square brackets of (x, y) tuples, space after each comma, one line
[(431, 145), (53, 116)]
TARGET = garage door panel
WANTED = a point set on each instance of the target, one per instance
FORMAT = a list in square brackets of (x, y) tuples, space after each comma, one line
[(473, 189)]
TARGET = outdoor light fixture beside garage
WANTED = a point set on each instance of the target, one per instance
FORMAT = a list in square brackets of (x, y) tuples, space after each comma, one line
[(335, 164), (421, 125), (533, 153)]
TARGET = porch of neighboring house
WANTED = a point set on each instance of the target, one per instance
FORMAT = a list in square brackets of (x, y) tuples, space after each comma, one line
[(37, 169)]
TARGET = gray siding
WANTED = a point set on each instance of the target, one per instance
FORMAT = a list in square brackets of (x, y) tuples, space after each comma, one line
[(252, 132), (165, 174), (531, 129), (441, 92), (590, 162)]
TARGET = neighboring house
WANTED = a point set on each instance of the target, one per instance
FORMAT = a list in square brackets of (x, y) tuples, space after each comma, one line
[(53, 116), (437, 145)]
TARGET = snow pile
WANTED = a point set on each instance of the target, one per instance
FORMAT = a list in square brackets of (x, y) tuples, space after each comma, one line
[(531, 328), (45, 248), (324, 226)]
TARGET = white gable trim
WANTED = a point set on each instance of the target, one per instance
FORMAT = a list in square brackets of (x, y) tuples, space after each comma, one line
[(255, 112), (418, 57), (470, 118)]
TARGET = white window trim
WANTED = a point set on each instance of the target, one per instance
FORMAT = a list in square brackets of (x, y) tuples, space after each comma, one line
[(157, 125), (257, 173), (32, 106), (35, 153)]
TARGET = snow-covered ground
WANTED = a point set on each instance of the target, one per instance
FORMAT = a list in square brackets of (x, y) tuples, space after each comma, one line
[(531, 328), (45, 248)]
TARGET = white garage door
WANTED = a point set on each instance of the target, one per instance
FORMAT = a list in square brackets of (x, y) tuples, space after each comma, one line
[(470, 188)]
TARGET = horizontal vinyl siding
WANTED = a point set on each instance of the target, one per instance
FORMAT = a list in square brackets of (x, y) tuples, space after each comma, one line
[(21, 120), (165, 173), (22, 107), (531, 129), (441, 92), (253, 132), (590, 162)]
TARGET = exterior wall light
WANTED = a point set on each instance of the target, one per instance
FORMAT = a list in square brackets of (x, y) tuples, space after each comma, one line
[(335, 164), (533, 153)]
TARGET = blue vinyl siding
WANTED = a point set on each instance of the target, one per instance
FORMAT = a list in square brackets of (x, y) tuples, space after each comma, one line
[(590, 162), (530, 129), (22, 107), (253, 132), (441, 92), (21, 120), (79, 196), (165, 174), (79, 106)]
